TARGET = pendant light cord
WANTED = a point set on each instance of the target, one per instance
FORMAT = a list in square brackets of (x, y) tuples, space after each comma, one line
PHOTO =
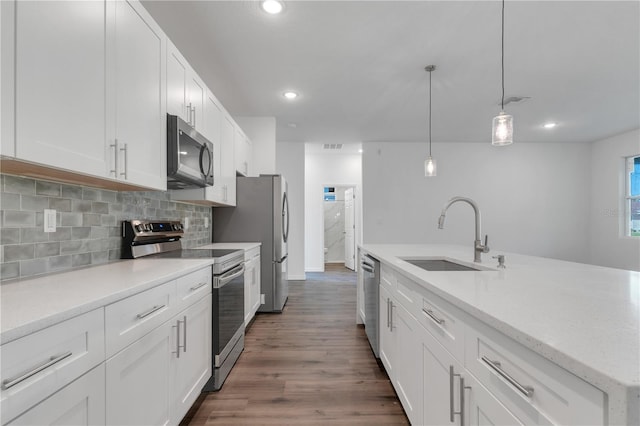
[(429, 113), (502, 57)]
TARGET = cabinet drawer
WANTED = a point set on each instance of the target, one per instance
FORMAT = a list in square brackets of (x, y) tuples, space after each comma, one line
[(251, 253), (408, 293), (37, 365), (387, 278), (439, 317), (533, 388), (129, 319), (191, 288)]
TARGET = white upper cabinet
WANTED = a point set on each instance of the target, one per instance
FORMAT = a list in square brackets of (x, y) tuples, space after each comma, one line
[(60, 84), (195, 108), (177, 74), (136, 56), (243, 152)]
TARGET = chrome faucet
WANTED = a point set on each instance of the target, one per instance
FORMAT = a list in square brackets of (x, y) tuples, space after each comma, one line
[(478, 247)]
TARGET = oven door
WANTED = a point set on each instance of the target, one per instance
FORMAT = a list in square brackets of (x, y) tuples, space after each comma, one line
[(228, 311)]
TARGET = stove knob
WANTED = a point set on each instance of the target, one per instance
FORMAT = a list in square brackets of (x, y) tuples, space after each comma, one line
[(174, 226), (138, 228)]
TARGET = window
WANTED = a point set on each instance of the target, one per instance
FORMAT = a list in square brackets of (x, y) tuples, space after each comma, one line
[(632, 199)]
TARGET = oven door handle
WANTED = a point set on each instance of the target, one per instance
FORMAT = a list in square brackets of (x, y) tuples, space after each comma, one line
[(227, 277)]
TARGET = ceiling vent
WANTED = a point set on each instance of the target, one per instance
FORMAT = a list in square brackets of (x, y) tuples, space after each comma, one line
[(332, 146)]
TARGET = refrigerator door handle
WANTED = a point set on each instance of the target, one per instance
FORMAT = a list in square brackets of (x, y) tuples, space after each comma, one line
[(281, 260), (285, 216)]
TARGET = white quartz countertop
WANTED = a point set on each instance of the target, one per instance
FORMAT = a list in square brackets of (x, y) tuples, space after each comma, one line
[(32, 304), (231, 246), (582, 317)]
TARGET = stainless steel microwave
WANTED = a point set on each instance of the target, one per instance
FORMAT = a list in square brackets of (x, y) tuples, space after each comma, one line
[(189, 156)]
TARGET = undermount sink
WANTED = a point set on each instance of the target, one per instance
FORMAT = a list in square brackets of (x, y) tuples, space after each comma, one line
[(440, 265)]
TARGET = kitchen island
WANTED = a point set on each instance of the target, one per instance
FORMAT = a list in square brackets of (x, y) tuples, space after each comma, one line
[(581, 318)]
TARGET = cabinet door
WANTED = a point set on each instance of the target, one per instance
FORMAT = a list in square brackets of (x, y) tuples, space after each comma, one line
[(197, 91), (137, 62), (177, 71), (193, 366), (213, 132), (255, 285), (79, 403), (407, 362), (139, 380), (438, 383), (484, 408), (60, 85), (228, 168), (387, 344)]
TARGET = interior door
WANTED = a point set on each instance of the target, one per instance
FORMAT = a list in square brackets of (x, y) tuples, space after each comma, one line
[(349, 230)]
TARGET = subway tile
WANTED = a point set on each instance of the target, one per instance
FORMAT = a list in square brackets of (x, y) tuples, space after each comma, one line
[(61, 234), (60, 204), (99, 232), (71, 219), (81, 259), (19, 185), (9, 201), (33, 267), (10, 235), (115, 231), (58, 263), (91, 219), (108, 196), (48, 188), (108, 220), (80, 232), (90, 194), (71, 191), (47, 249), (71, 247), (16, 252), (9, 270), (99, 257), (40, 219), (81, 206), (100, 207), (12, 218), (114, 254), (33, 235), (33, 203)]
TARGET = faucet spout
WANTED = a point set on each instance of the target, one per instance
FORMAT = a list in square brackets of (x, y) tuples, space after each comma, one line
[(479, 248)]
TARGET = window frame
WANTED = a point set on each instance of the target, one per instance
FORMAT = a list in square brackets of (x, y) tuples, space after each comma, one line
[(629, 169)]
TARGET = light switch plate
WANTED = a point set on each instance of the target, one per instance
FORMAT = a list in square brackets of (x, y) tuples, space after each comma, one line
[(49, 220), (206, 222)]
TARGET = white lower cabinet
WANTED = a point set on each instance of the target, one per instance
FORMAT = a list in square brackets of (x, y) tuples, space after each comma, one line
[(251, 284), (81, 403), (447, 368)]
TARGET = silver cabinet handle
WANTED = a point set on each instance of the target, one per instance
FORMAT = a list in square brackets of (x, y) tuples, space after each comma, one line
[(495, 366), (150, 311), (388, 316), (184, 324), (391, 313), (433, 316), (6, 384), (194, 117), (452, 411), (189, 111), (225, 192), (126, 165), (194, 288), (177, 327), (114, 145)]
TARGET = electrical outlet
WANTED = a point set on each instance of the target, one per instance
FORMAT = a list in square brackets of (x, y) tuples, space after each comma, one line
[(49, 220), (206, 223), (262, 299), (185, 223)]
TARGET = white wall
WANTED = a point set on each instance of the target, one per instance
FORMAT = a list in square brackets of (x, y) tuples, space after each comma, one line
[(262, 133), (290, 164), (609, 246), (534, 198), (331, 170)]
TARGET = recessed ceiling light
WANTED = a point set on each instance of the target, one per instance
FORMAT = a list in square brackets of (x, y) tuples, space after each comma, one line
[(290, 95), (272, 6), (550, 125)]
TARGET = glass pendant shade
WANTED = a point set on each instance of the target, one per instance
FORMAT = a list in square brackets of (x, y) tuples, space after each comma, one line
[(502, 130), (430, 167)]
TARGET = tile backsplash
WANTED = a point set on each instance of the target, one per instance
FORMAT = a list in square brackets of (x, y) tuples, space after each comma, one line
[(88, 224)]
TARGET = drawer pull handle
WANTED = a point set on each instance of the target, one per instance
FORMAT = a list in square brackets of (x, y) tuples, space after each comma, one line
[(194, 288), (6, 384), (150, 311), (433, 316), (495, 366)]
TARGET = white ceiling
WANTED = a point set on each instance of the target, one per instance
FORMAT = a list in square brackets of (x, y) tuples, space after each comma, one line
[(359, 66)]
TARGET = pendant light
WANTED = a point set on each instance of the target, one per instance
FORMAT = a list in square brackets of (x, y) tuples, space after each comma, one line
[(502, 129), (430, 163)]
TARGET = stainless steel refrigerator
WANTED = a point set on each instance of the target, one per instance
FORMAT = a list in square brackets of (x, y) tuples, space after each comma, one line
[(261, 215)]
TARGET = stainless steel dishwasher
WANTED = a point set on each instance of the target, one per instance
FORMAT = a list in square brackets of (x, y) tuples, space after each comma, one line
[(371, 282)]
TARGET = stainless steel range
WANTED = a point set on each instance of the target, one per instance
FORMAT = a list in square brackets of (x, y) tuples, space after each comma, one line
[(161, 240)]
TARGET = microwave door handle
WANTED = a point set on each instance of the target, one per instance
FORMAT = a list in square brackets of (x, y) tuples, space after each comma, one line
[(205, 152)]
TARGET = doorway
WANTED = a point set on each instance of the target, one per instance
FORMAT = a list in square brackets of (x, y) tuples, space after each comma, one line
[(339, 225)]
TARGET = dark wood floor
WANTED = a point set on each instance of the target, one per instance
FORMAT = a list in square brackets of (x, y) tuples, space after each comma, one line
[(310, 365)]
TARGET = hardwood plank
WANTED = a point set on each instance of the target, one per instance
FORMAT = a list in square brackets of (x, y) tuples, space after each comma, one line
[(310, 365)]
